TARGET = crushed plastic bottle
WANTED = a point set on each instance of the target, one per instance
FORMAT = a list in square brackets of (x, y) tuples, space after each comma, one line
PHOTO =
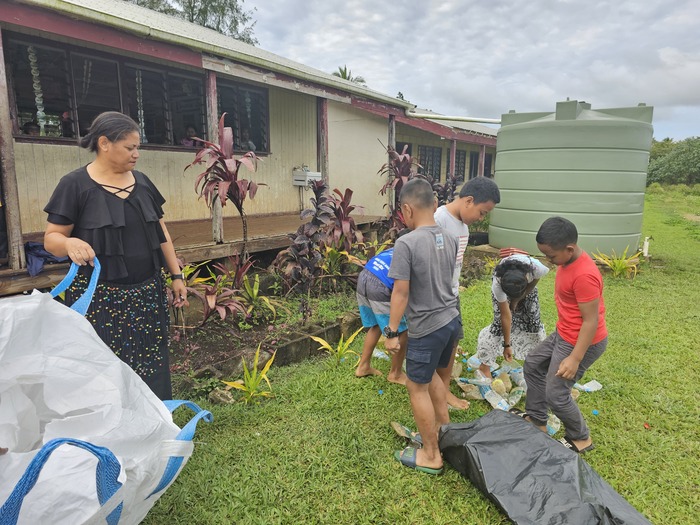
[(591, 386), (503, 376), (553, 424), (515, 395), (518, 377), (473, 362), (498, 387), (479, 379), (493, 398), (379, 354)]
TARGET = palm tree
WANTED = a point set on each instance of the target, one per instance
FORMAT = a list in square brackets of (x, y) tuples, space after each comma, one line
[(345, 73)]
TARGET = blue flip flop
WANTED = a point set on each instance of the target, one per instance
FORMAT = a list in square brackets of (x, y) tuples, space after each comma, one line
[(407, 457), (413, 437)]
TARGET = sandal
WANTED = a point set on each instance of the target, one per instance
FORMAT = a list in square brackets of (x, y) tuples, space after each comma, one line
[(571, 446), (407, 457), (403, 431)]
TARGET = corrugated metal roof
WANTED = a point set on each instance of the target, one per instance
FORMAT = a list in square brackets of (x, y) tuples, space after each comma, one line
[(145, 22), (473, 127)]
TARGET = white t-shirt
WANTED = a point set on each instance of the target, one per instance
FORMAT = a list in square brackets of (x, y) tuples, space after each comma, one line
[(538, 271), (456, 227)]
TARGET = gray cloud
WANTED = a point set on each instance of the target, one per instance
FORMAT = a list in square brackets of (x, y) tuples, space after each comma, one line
[(482, 59)]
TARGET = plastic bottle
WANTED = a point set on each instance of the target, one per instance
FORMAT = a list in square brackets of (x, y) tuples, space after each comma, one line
[(553, 424), (498, 387), (515, 395), (473, 362), (479, 379), (518, 377), (493, 398)]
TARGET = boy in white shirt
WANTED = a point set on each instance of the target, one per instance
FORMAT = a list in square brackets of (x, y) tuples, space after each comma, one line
[(476, 199)]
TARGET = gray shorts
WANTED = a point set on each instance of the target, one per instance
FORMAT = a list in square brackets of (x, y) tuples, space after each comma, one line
[(430, 352)]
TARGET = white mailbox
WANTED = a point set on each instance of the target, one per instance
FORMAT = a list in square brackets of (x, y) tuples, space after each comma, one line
[(303, 178)]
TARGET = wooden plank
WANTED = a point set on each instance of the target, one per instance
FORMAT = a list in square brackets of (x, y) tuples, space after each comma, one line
[(322, 133), (482, 158), (235, 70), (8, 175)]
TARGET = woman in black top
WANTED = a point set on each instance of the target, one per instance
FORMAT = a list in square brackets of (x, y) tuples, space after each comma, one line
[(110, 211)]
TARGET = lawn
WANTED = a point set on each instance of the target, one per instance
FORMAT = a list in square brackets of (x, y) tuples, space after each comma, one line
[(320, 452)]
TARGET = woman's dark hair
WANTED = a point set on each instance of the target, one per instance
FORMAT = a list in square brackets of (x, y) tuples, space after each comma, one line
[(512, 274), (557, 232), (110, 124)]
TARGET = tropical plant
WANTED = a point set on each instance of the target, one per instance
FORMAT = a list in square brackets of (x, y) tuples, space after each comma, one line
[(344, 73), (446, 191), (301, 262), (252, 384), (340, 351), (258, 306), (236, 270), (620, 266), (335, 266), (679, 165), (343, 232), (399, 170), (220, 179), (366, 250), (218, 299)]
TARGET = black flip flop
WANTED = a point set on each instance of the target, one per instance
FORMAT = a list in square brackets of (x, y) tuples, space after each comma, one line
[(571, 446)]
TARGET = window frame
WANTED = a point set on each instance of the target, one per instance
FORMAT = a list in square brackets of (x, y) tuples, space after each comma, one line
[(230, 83), (435, 153)]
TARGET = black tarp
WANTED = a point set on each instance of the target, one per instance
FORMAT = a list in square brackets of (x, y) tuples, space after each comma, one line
[(531, 477)]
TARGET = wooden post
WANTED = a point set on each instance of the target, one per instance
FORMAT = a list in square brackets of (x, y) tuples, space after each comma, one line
[(391, 198), (453, 158), (8, 175), (217, 216), (482, 158), (322, 133)]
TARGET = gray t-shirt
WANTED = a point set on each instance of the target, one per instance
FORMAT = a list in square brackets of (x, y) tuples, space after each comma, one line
[(426, 258)]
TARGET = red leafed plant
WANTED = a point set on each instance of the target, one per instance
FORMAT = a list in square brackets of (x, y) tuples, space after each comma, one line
[(343, 232), (220, 179), (399, 170)]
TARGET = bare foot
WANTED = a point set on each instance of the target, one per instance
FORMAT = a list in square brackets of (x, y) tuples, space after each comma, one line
[(543, 428), (366, 372), (399, 380), (422, 459), (455, 402)]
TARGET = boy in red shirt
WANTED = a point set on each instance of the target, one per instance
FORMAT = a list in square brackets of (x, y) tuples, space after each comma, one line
[(559, 361)]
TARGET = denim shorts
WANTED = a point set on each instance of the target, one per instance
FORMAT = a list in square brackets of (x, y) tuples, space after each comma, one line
[(430, 352)]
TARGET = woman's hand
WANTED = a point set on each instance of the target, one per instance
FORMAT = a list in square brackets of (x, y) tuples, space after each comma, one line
[(508, 353), (179, 293), (79, 251)]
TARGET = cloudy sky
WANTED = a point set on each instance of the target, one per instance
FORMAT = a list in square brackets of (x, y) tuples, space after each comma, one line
[(481, 58)]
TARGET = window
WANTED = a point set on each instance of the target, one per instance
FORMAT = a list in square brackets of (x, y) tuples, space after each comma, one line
[(59, 89), (187, 106), (473, 164), (96, 86), (488, 159), (460, 162), (430, 157), (401, 145), (247, 113), (146, 104), (42, 94)]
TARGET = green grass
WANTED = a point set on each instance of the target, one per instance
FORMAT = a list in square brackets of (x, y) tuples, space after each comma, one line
[(321, 451)]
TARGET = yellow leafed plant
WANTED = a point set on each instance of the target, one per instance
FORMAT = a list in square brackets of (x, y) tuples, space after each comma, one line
[(341, 350), (620, 266), (252, 384)]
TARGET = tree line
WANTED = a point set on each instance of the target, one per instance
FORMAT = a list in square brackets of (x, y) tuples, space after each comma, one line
[(674, 162)]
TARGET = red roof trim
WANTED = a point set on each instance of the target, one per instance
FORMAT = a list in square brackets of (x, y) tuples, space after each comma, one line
[(384, 110), (93, 33)]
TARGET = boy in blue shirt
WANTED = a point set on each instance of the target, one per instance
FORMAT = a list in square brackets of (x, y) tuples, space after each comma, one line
[(374, 288), (422, 267)]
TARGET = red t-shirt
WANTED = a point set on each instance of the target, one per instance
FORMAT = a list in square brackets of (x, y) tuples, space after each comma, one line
[(578, 282)]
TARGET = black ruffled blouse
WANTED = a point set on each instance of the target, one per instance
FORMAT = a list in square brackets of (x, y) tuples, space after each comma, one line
[(125, 233)]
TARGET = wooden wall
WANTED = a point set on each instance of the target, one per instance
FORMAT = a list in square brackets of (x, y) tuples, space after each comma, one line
[(39, 167)]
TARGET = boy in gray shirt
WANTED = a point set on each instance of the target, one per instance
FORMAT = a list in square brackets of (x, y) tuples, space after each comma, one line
[(422, 269)]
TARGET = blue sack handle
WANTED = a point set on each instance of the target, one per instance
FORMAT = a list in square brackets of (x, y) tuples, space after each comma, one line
[(107, 474), (186, 434), (82, 304)]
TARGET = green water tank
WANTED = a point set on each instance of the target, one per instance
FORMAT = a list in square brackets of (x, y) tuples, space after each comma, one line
[(583, 164)]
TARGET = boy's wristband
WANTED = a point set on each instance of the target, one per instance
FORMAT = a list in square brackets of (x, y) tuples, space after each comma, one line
[(177, 276)]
